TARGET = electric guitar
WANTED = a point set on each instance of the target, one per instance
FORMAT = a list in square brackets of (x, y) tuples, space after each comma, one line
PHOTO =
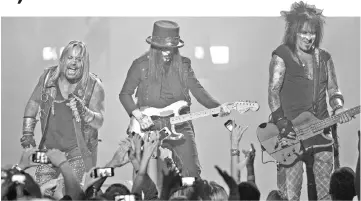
[(309, 134), (165, 119)]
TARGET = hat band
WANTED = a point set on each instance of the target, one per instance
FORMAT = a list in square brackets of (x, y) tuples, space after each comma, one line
[(166, 41)]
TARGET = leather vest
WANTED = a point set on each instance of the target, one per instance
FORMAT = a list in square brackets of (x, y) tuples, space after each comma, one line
[(87, 138)]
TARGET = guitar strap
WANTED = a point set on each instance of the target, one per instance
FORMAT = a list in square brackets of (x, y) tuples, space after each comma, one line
[(316, 78)]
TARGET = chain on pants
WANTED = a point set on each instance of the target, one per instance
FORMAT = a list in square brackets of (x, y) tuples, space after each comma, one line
[(289, 180)]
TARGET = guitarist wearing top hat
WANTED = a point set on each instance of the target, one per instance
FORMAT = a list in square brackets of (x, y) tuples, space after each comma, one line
[(301, 73), (162, 77)]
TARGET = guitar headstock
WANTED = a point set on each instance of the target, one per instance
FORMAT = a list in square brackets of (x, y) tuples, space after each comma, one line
[(244, 106)]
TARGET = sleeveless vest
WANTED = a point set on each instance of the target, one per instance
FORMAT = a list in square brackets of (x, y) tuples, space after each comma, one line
[(88, 137)]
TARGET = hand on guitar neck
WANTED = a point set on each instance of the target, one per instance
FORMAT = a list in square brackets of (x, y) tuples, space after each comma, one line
[(345, 117)]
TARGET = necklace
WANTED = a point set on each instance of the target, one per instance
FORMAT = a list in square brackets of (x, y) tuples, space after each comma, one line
[(299, 60)]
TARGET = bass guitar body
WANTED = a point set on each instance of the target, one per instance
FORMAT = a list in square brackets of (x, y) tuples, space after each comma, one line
[(307, 137)]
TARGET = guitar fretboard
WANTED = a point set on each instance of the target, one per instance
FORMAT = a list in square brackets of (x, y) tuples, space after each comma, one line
[(334, 119), (195, 115)]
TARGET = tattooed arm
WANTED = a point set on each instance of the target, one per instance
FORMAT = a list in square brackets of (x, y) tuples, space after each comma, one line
[(277, 72), (335, 97)]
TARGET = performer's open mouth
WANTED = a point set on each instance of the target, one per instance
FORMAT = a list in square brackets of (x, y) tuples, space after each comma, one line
[(72, 71)]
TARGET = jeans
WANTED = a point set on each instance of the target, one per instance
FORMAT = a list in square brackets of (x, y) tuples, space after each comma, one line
[(186, 151)]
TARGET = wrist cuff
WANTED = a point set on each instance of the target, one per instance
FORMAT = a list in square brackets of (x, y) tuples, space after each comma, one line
[(251, 177), (29, 124)]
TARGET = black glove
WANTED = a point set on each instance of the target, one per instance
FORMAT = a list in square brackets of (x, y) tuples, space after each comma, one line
[(27, 140), (285, 127)]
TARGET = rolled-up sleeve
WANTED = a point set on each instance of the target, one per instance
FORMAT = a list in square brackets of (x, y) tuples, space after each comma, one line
[(130, 84)]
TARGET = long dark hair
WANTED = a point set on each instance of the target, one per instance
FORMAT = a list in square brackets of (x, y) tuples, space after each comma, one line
[(296, 18), (156, 63)]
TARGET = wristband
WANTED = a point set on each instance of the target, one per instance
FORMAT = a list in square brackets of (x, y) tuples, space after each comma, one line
[(251, 177), (277, 115), (235, 152), (29, 124)]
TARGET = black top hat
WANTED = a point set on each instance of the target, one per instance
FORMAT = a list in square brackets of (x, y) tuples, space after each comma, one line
[(165, 35)]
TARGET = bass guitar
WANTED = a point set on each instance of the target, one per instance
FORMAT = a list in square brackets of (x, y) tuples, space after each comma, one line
[(309, 134)]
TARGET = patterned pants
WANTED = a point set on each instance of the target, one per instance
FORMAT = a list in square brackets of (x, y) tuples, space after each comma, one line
[(45, 173), (289, 180)]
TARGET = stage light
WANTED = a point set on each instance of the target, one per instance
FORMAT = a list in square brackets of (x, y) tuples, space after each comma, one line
[(61, 50), (199, 52), (219, 54), (49, 53)]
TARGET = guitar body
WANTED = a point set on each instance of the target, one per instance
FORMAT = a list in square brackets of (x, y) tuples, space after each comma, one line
[(306, 138), (161, 119)]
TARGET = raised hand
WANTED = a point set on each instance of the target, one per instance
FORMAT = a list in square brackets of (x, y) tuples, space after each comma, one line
[(233, 187), (237, 134), (120, 156), (250, 155)]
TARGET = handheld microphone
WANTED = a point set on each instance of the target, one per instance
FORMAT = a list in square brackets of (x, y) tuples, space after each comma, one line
[(75, 113)]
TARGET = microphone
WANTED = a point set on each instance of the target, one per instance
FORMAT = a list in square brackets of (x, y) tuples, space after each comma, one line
[(75, 113)]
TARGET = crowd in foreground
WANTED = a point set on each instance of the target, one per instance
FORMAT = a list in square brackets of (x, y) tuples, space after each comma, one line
[(17, 184)]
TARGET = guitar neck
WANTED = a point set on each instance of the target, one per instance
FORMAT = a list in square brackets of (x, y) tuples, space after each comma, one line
[(334, 119), (194, 115)]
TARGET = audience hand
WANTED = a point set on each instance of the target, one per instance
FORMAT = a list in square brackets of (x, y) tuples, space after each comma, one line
[(172, 180), (165, 153), (26, 159), (88, 179), (56, 157), (150, 144), (233, 187), (250, 155), (120, 157), (137, 140), (237, 134)]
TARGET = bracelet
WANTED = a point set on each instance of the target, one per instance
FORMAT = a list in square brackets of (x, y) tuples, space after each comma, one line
[(28, 133), (251, 177), (235, 152), (62, 163)]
